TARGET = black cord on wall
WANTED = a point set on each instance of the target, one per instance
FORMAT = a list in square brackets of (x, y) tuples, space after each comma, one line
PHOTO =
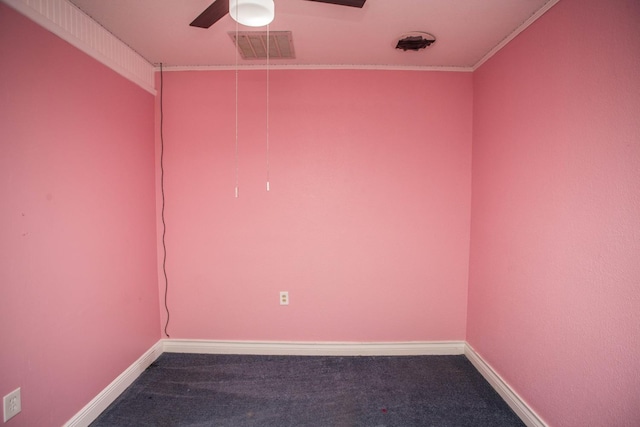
[(164, 225)]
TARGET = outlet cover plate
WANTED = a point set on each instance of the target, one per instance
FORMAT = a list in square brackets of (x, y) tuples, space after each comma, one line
[(284, 298), (12, 404)]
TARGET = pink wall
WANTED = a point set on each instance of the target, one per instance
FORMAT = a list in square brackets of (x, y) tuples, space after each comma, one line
[(367, 221), (78, 278), (554, 296)]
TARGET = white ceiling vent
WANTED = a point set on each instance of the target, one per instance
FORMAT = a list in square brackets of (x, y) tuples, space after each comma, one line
[(253, 44)]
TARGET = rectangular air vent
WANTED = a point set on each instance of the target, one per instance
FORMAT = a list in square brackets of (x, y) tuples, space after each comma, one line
[(253, 44)]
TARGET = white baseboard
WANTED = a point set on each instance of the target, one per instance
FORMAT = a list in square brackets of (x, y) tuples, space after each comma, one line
[(414, 348), (314, 348), (526, 414), (98, 404)]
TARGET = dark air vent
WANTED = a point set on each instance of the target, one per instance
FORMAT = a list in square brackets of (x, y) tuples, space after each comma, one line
[(415, 41)]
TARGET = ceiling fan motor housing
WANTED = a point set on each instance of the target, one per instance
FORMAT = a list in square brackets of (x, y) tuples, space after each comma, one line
[(252, 13)]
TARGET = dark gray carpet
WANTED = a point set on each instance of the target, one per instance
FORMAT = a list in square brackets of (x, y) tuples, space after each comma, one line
[(235, 391)]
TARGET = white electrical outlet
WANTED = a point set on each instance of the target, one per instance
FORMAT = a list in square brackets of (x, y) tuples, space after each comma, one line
[(12, 404), (284, 298)]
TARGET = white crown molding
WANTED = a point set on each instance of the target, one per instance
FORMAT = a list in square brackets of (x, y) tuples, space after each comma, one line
[(314, 348), (515, 32), (107, 396), (72, 25), (262, 66), (69, 23), (515, 402)]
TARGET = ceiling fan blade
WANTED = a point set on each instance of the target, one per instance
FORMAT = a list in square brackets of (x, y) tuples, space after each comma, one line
[(212, 14), (353, 3)]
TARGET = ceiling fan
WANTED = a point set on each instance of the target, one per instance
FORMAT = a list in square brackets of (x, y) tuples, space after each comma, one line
[(219, 8)]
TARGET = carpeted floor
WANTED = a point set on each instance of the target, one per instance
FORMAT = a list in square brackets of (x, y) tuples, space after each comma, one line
[(236, 391)]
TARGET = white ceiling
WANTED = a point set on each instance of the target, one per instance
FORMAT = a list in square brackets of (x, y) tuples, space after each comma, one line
[(324, 35)]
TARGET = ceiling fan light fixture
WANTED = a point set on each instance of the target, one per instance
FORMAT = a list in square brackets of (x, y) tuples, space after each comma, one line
[(252, 13)]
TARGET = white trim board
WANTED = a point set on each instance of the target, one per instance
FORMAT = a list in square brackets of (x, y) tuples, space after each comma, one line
[(314, 348), (414, 348), (515, 402), (364, 67), (66, 21), (107, 396)]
